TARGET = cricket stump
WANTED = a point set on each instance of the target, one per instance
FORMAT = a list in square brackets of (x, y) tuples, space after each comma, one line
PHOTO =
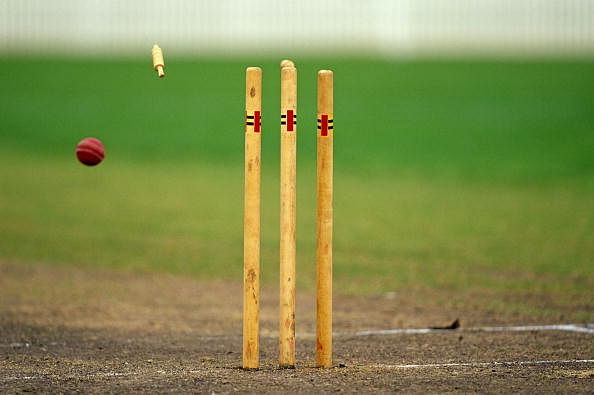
[(251, 225), (158, 62), (324, 219), (288, 213)]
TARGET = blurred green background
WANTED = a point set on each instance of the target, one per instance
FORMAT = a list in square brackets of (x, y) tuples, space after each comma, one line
[(448, 174)]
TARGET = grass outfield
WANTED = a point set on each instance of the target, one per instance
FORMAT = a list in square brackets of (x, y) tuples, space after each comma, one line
[(447, 174)]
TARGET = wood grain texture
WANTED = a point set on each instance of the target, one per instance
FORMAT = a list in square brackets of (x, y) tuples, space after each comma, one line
[(251, 229), (158, 61), (288, 213), (325, 137)]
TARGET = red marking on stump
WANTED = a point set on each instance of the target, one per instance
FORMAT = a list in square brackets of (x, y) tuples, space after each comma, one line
[(256, 121), (290, 120), (324, 131)]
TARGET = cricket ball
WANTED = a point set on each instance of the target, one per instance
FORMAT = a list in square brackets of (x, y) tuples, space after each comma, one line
[(90, 151)]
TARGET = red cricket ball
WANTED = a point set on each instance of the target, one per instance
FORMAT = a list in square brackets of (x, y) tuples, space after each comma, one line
[(90, 151)]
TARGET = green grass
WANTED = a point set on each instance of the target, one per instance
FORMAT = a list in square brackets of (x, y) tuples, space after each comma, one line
[(447, 174)]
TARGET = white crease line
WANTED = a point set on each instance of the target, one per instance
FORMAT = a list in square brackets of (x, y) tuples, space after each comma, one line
[(487, 364), (567, 327), (409, 331), (579, 328), (376, 366), (588, 328), (69, 376), (113, 374)]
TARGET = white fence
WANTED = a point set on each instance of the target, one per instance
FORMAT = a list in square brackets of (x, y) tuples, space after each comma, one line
[(389, 27)]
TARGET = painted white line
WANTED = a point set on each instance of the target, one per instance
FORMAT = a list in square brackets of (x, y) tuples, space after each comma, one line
[(374, 366), (588, 328), (487, 364), (68, 376), (578, 328), (113, 374), (15, 378), (404, 331), (566, 327), (16, 345)]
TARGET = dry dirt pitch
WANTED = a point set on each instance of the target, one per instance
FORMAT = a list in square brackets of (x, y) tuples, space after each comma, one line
[(70, 330)]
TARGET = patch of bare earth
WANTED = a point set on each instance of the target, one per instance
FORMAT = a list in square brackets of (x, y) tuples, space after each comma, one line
[(64, 329)]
